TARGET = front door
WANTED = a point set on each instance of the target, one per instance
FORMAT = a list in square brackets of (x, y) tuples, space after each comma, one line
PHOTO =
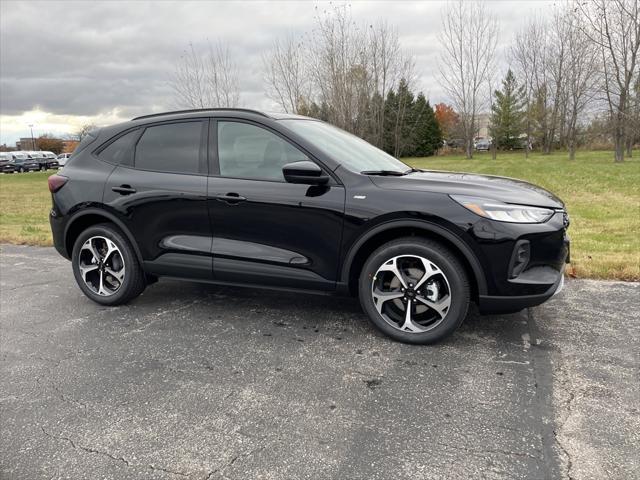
[(267, 231)]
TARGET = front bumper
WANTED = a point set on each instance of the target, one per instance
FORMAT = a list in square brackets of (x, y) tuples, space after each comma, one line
[(511, 304)]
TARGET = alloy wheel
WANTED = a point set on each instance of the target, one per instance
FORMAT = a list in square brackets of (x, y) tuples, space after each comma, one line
[(411, 293), (101, 266)]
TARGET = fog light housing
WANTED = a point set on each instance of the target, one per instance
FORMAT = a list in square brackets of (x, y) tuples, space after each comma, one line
[(519, 258)]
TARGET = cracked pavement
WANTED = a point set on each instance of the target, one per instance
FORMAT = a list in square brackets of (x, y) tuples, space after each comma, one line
[(207, 382)]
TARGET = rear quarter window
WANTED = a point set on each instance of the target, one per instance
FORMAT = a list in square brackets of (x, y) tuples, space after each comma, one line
[(120, 151)]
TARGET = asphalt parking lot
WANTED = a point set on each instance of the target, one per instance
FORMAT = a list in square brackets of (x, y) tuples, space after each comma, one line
[(208, 382)]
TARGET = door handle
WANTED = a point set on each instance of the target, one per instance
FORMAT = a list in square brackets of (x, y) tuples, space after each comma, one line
[(124, 189), (230, 198)]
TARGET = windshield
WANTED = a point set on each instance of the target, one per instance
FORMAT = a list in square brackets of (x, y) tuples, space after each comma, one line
[(351, 151)]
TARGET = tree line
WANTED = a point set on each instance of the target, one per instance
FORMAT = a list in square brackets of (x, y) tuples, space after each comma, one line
[(569, 74)]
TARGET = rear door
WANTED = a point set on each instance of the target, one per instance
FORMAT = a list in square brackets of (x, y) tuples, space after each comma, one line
[(159, 189), (267, 231)]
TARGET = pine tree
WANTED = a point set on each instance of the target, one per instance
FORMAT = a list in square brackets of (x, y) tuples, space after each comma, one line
[(507, 114), (427, 134), (390, 116), (405, 120)]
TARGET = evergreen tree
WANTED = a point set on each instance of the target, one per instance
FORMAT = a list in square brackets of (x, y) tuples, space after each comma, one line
[(405, 121), (390, 117), (507, 114), (427, 136)]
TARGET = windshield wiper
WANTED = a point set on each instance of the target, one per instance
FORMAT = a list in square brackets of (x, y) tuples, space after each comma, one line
[(391, 173)]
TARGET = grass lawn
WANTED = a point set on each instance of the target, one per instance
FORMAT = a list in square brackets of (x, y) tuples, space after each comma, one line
[(603, 200)]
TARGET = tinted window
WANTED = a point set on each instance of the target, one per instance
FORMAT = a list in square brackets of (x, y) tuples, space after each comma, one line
[(87, 140), (120, 150), (170, 148), (247, 151)]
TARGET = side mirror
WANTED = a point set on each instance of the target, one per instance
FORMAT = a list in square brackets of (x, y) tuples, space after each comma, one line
[(304, 172)]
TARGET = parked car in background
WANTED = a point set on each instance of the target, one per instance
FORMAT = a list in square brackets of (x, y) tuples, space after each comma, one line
[(38, 157), (455, 143), (6, 163), (52, 160), (483, 144), (62, 159), (24, 163)]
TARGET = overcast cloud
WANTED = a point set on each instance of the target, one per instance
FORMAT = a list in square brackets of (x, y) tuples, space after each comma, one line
[(63, 64)]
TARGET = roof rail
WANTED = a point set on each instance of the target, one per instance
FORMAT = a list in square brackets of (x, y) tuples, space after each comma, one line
[(193, 110)]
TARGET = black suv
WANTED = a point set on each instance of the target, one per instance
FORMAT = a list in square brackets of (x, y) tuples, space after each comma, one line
[(281, 201)]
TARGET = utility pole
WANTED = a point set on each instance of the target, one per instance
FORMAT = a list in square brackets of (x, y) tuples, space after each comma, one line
[(33, 142)]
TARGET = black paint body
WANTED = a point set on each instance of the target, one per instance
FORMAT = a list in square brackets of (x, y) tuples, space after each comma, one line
[(314, 237)]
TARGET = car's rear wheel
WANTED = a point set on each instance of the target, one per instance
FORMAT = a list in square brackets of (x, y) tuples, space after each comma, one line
[(414, 290), (105, 266)]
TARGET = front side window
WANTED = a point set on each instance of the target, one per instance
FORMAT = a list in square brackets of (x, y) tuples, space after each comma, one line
[(248, 151), (173, 147)]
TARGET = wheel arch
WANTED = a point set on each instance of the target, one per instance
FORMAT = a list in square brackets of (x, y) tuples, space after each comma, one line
[(93, 216), (385, 232)]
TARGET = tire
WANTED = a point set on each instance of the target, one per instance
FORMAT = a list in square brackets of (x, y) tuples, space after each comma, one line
[(445, 289), (117, 258)]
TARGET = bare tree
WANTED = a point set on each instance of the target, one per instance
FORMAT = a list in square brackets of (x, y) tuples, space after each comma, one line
[(286, 74), (614, 27), (633, 121), (340, 61), (206, 80), (581, 76), (388, 65), (83, 131), (556, 60), (525, 56), (469, 42), (345, 70)]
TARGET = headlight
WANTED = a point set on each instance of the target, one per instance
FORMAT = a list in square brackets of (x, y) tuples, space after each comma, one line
[(504, 212)]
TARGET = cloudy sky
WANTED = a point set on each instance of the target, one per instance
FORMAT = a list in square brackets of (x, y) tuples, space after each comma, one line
[(64, 64)]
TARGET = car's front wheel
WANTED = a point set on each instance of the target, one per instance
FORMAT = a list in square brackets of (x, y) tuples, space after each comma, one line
[(414, 290), (105, 266)]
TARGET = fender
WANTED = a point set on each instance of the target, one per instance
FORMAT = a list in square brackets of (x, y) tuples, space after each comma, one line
[(422, 225), (108, 216)]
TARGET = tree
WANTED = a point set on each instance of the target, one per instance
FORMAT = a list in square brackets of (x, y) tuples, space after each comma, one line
[(402, 121), (49, 143), (447, 120), (286, 75), (614, 27), (341, 70), (633, 123), (526, 56), (83, 131), (539, 57), (206, 80), (427, 133), (468, 42), (581, 76), (506, 114)]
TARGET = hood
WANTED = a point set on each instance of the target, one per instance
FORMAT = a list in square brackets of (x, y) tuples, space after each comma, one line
[(505, 189)]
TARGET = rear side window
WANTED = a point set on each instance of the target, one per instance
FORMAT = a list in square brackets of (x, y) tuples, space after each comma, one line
[(120, 151), (174, 147)]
